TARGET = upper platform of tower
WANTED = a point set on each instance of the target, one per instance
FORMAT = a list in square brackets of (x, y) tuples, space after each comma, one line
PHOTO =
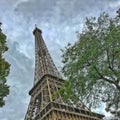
[(36, 30)]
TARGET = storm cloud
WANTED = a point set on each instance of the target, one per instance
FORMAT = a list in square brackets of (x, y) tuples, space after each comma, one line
[(59, 20)]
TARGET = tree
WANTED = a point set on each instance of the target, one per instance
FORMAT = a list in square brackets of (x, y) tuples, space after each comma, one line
[(4, 69), (92, 64)]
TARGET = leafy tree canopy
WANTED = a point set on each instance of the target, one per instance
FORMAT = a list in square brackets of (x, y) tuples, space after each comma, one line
[(4, 69), (92, 64)]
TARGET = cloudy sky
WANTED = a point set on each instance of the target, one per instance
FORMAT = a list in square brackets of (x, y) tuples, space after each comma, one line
[(59, 20)]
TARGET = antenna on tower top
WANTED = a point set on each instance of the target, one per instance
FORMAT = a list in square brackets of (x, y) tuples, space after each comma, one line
[(35, 25)]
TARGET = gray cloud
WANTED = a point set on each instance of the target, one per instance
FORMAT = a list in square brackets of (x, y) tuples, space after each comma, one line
[(61, 9), (20, 81)]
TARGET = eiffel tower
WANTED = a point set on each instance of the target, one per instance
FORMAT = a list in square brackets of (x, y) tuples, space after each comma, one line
[(47, 80)]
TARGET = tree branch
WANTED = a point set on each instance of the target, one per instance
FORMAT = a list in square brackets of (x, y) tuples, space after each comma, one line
[(107, 80)]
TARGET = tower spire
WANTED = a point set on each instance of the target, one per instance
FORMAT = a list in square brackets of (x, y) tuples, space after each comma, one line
[(35, 25), (43, 61)]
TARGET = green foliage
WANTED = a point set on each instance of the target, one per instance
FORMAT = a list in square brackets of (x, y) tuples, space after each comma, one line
[(4, 69), (92, 64)]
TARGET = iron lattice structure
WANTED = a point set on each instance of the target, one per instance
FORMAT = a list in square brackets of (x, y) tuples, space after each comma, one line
[(43, 105)]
